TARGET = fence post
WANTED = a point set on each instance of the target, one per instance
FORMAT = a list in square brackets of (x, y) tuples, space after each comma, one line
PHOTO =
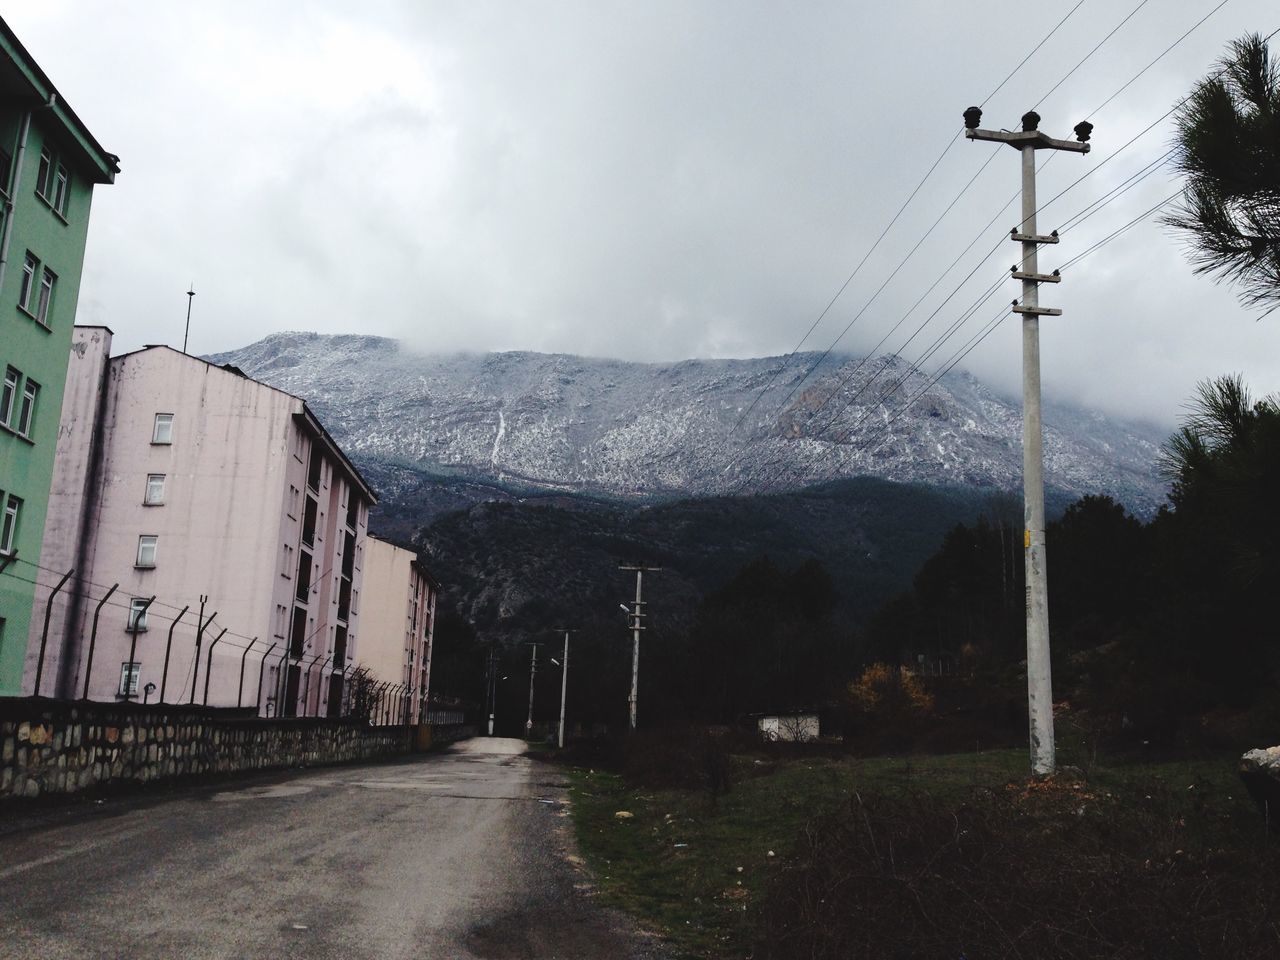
[(282, 681), (306, 684), (208, 665), (93, 640), (388, 703), (200, 629), (44, 634), (243, 657), (262, 675), (320, 691), (397, 705), (133, 642), (164, 678)]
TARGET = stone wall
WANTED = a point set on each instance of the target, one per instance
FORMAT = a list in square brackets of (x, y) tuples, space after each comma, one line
[(64, 747)]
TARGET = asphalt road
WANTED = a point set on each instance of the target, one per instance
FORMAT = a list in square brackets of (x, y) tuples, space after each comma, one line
[(454, 855)]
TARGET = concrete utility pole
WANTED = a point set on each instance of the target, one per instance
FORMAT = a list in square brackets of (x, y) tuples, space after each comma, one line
[(636, 616), (564, 686), (1039, 678), (533, 672)]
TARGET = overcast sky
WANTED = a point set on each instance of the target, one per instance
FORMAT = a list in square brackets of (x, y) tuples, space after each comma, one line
[(644, 180)]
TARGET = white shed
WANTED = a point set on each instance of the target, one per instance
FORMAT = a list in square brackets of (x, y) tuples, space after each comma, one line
[(800, 727)]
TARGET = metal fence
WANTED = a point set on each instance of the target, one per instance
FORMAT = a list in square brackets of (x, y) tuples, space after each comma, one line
[(284, 679)]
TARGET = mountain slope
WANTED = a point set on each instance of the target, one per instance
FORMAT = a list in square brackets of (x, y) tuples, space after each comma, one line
[(503, 424)]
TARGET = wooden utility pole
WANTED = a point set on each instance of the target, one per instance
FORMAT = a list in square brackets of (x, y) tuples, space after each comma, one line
[(637, 615), (1039, 679)]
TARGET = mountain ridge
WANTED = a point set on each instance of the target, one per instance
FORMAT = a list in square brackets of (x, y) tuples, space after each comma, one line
[(566, 425)]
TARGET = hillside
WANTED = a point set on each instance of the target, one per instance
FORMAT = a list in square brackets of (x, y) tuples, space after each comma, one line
[(439, 432)]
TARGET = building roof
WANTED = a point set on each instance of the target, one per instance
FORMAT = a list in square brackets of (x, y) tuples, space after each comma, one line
[(22, 81), (302, 412)]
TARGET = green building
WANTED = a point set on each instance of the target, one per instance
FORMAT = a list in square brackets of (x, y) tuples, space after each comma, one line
[(49, 164)]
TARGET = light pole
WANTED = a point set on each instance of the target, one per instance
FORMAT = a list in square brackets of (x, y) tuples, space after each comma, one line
[(533, 672), (1039, 680), (493, 686)]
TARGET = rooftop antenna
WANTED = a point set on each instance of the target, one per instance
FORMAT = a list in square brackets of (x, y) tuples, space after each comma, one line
[(191, 292)]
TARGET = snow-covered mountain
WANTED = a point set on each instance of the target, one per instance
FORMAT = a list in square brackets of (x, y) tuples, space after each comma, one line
[(555, 422)]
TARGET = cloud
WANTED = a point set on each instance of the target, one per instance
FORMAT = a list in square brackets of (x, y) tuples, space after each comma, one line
[(648, 181)]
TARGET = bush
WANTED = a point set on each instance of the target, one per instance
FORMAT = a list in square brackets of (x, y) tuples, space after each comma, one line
[(1042, 870), (890, 695), (886, 707), (679, 758)]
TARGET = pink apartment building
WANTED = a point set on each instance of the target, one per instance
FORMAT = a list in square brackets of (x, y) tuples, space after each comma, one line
[(404, 608), (198, 486)]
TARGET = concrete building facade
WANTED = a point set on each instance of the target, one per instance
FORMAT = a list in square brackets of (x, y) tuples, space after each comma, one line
[(399, 623), (49, 165), (227, 502)]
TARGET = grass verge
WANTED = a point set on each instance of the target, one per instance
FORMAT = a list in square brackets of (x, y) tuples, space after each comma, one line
[(712, 872)]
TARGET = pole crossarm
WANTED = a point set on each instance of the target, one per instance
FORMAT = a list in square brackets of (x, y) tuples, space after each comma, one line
[(1036, 139)]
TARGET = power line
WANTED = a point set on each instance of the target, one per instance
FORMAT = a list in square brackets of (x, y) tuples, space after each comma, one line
[(848, 280), (985, 332), (955, 325), (1080, 217), (1068, 74), (929, 173), (862, 361), (1165, 53)]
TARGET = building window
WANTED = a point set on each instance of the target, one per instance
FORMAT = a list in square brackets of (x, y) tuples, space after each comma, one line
[(9, 524), (44, 176), (155, 489), (146, 551), (47, 281), (60, 184), (309, 521), (314, 468), (162, 431), (138, 615), (129, 678), (302, 587), (286, 562), (27, 412), (6, 170), (30, 265), (11, 379)]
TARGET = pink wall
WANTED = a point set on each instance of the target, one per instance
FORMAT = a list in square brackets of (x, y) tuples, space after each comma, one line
[(229, 509), (399, 603)]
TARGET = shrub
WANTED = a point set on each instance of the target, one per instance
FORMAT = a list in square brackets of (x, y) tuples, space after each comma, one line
[(1034, 870), (678, 758)]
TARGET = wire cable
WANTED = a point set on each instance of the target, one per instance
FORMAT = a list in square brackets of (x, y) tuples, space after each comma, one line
[(929, 173), (1082, 215)]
